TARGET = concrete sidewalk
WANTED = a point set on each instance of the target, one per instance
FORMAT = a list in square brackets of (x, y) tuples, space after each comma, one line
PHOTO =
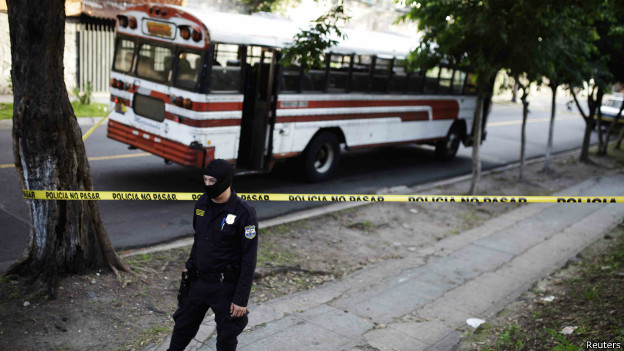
[(419, 302)]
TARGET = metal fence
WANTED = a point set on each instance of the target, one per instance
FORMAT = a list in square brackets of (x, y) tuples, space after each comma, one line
[(95, 56)]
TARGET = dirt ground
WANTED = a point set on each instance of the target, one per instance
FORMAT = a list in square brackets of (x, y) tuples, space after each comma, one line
[(97, 312)]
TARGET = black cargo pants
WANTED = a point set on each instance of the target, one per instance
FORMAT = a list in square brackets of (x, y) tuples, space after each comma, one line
[(201, 296)]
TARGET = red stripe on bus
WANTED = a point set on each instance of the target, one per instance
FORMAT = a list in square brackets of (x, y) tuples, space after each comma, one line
[(287, 155), (405, 117), (203, 123), (442, 109), (217, 106)]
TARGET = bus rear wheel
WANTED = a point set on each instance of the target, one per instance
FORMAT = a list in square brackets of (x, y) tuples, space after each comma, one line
[(445, 150), (321, 157)]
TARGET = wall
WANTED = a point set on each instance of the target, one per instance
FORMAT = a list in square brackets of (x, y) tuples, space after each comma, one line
[(70, 59), (5, 54)]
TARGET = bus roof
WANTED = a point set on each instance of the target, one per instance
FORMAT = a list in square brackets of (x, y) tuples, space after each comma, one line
[(279, 32)]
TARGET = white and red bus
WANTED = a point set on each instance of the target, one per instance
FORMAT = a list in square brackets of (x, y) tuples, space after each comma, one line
[(190, 86)]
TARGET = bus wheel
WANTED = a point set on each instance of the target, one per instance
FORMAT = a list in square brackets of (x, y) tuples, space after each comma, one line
[(445, 150), (322, 157)]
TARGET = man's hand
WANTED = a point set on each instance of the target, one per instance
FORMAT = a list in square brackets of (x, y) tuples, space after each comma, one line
[(237, 311)]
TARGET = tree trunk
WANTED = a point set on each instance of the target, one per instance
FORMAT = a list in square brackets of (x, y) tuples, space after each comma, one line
[(551, 127), (602, 144), (67, 236), (476, 159), (525, 114), (514, 92), (588, 126)]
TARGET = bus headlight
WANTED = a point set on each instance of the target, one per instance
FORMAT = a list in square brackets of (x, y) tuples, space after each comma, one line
[(197, 35), (122, 20), (185, 32), (187, 104)]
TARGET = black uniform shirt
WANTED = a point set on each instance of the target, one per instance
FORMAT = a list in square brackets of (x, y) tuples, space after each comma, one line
[(226, 234)]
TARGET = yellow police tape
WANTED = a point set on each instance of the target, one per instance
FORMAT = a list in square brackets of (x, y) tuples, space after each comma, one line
[(84, 137), (150, 196)]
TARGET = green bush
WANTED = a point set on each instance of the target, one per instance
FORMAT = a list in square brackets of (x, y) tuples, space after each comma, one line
[(85, 97)]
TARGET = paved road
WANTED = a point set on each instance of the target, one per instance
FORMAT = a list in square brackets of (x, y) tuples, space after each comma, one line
[(132, 224)]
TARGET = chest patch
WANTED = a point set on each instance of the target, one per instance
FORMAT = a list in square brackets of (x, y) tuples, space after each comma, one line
[(250, 231), (200, 212)]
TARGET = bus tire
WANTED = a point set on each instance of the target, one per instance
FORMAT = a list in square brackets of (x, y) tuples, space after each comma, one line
[(445, 150), (321, 158)]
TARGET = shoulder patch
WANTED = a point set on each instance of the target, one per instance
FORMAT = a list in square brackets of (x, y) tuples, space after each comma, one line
[(200, 212), (250, 231)]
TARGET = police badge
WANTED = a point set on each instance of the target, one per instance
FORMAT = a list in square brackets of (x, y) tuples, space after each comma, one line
[(250, 231)]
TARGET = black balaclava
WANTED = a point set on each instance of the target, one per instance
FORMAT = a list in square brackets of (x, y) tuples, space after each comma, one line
[(222, 171)]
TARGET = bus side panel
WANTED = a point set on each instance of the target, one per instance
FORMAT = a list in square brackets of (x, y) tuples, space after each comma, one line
[(367, 120)]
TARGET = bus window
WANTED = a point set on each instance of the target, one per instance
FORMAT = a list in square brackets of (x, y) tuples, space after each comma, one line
[(361, 73), (416, 82), (446, 77), (290, 78), (154, 62), (226, 68), (398, 82), (314, 79), (124, 55), (431, 80), (188, 70), (338, 73), (381, 74), (471, 84), (458, 81)]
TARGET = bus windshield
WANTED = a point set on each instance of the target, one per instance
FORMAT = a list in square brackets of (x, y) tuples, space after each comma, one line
[(123, 56), (188, 70), (154, 62)]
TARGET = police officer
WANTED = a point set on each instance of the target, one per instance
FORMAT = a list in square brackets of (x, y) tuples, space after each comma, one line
[(221, 264)]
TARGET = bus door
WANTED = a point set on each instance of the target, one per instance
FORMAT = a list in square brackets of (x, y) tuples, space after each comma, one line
[(258, 121)]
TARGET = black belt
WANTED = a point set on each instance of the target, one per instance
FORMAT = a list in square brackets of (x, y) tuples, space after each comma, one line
[(212, 277)]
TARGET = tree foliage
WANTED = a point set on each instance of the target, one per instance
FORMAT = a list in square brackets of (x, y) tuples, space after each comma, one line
[(466, 34), (310, 44), (260, 5)]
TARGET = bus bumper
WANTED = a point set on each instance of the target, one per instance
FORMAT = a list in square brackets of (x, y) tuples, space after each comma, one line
[(193, 156)]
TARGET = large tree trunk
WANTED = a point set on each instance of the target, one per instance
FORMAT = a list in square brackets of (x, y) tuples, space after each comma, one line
[(551, 126), (67, 236)]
